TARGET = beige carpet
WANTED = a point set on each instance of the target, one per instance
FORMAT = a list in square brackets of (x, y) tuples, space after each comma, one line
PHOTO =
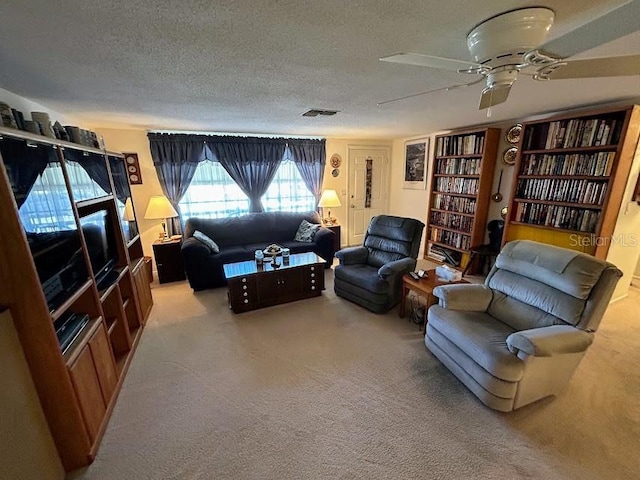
[(323, 389)]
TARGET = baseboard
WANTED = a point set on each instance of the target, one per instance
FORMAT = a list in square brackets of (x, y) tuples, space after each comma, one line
[(621, 297)]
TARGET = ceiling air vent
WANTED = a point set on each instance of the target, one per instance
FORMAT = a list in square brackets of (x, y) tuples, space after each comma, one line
[(314, 112)]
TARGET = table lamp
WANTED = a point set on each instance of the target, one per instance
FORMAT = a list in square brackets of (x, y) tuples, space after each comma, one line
[(129, 216), (159, 207), (329, 199)]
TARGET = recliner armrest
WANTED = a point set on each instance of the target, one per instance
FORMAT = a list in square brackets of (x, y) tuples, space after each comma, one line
[(401, 266), (352, 255), (468, 297), (548, 341)]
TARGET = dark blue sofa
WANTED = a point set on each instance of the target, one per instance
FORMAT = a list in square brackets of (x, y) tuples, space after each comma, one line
[(238, 239)]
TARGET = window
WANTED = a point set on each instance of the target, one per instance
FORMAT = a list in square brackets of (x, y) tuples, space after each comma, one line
[(213, 194), (288, 192), (49, 193)]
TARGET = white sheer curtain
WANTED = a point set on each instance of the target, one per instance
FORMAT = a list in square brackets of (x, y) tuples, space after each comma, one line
[(49, 195), (213, 194), (288, 192)]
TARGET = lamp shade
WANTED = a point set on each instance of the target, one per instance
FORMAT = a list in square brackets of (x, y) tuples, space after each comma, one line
[(159, 207), (129, 216), (329, 199)]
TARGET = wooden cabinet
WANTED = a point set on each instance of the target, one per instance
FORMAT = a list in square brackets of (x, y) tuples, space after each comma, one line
[(571, 174), (252, 286), (461, 180), (43, 234), (104, 363), (94, 378), (336, 239), (169, 261), (143, 290)]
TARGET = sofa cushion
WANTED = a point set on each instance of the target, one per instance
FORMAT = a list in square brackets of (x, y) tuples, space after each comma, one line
[(213, 246), (481, 337), (306, 232)]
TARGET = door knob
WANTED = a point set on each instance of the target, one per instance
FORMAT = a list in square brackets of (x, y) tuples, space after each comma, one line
[(353, 206)]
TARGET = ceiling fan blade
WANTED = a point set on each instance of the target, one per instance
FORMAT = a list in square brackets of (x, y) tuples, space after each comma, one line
[(598, 67), (610, 26), (431, 61), (452, 87), (494, 96)]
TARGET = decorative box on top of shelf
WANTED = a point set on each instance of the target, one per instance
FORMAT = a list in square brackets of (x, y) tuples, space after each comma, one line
[(571, 173), (462, 175)]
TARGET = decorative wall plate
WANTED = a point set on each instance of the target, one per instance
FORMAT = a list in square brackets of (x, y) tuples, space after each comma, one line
[(509, 155), (335, 161), (133, 168), (335, 172), (513, 134)]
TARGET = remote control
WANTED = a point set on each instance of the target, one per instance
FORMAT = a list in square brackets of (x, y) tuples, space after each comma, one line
[(414, 275)]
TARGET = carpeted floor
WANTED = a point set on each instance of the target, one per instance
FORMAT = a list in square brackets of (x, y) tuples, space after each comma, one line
[(322, 389)]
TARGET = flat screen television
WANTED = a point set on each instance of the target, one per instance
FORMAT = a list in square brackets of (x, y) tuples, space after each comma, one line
[(47, 217), (100, 238)]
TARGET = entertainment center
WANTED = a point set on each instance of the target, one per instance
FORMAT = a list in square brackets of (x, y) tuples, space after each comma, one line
[(74, 279)]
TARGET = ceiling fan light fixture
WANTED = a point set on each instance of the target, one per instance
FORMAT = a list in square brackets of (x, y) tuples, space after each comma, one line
[(515, 31)]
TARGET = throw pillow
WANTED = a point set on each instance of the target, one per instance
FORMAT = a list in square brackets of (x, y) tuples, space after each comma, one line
[(213, 246), (306, 232)]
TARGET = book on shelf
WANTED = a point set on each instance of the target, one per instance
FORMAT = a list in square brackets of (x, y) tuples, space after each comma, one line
[(573, 133), (470, 144)]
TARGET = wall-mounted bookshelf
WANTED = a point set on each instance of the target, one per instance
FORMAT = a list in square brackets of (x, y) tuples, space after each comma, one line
[(571, 174), (462, 175)]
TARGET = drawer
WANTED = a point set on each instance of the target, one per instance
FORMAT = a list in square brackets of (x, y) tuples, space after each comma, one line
[(313, 278), (243, 292)]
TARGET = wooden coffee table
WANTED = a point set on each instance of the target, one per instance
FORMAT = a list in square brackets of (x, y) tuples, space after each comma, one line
[(423, 287), (254, 286)]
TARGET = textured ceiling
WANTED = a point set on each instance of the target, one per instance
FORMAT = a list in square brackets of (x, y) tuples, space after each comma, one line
[(255, 66)]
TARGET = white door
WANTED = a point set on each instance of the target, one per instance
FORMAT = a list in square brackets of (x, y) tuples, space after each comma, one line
[(359, 213)]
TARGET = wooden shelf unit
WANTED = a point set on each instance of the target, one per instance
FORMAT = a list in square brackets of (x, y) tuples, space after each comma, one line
[(77, 389), (570, 176), (461, 181)]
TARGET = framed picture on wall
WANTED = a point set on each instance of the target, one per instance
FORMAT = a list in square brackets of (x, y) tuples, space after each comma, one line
[(133, 168), (415, 164)]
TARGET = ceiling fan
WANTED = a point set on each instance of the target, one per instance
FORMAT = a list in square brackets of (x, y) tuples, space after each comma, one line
[(512, 43)]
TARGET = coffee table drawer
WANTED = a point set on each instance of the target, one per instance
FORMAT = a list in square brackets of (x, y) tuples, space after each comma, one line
[(313, 278), (243, 293)]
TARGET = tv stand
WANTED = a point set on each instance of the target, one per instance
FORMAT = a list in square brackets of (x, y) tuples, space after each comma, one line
[(109, 279), (78, 351)]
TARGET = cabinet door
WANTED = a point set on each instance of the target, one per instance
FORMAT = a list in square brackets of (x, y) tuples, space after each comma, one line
[(290, 283), (143, 291), (88, 391), (104, 363)]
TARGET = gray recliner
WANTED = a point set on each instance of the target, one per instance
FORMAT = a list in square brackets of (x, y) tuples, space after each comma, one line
[(520, 336), (371, 275)]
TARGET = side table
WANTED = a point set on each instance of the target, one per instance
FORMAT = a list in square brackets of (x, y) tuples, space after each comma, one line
[(423, 287), (169, 260), (336, 239)]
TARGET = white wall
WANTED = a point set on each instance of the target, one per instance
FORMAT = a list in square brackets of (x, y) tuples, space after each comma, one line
[(26, 446), (27, 106), (624, 250), (341, 183)]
